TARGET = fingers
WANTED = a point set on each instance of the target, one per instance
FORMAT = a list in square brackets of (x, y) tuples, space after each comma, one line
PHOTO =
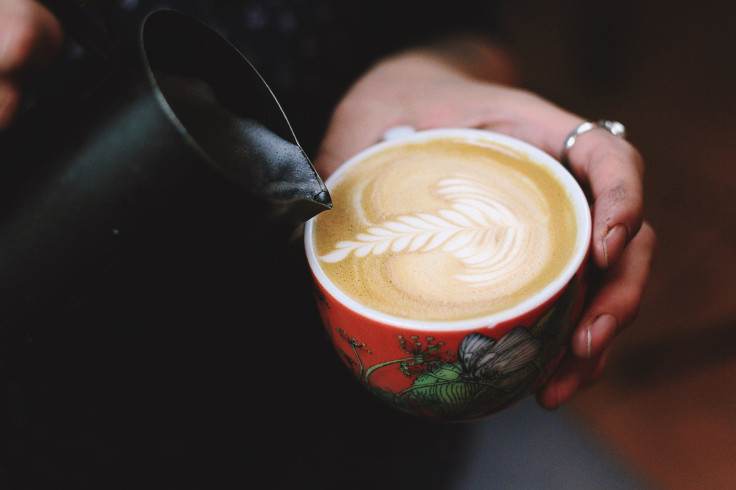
[(30, 36), (572, 374), (614, 306), (616, 303), (613, 171), (608, 167)]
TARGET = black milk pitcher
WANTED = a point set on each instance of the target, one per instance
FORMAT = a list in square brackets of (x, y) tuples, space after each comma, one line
[(182, 149)]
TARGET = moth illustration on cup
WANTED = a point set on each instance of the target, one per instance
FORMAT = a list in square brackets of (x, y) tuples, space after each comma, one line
[(451, 270)]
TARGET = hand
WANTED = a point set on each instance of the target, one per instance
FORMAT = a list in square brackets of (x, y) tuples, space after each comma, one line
[(426, 88), (30, 38)]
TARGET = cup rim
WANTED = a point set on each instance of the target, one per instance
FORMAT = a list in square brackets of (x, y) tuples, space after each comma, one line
[(400, 136)]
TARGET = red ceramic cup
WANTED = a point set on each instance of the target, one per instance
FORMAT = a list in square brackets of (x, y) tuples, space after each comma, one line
[(466, 368)]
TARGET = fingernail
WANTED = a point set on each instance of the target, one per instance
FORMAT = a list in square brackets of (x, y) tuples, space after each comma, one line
[(613, 243), (599, 334)]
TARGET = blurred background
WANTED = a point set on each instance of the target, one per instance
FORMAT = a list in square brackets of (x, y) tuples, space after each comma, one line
[(667, 70)]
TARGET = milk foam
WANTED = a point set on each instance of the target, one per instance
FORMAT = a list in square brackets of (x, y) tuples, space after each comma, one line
[(445, 230)]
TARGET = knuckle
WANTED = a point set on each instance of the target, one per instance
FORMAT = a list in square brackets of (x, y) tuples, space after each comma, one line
[(620, 203)]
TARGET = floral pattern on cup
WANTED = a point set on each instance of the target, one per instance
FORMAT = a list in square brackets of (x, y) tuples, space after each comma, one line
[(434, 377)]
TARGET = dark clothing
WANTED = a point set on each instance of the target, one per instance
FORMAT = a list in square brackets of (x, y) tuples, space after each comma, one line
[(308, 51), (209, 369)]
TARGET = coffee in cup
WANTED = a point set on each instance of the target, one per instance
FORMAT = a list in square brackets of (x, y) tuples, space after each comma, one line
[(445, 258)]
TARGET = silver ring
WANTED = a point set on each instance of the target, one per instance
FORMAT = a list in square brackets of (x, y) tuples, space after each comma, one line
[(613, 127)]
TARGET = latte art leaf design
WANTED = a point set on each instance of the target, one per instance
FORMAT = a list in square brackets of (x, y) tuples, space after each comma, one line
[(486, 235)]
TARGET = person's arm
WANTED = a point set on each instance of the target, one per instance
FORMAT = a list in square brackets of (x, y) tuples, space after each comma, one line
[(30, 38), (466, 82)]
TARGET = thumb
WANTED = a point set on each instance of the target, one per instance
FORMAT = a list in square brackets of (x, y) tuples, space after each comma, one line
[(341, 142), (357, 123)]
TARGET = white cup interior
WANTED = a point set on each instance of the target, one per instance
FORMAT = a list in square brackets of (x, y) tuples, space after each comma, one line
[(402, 135)]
